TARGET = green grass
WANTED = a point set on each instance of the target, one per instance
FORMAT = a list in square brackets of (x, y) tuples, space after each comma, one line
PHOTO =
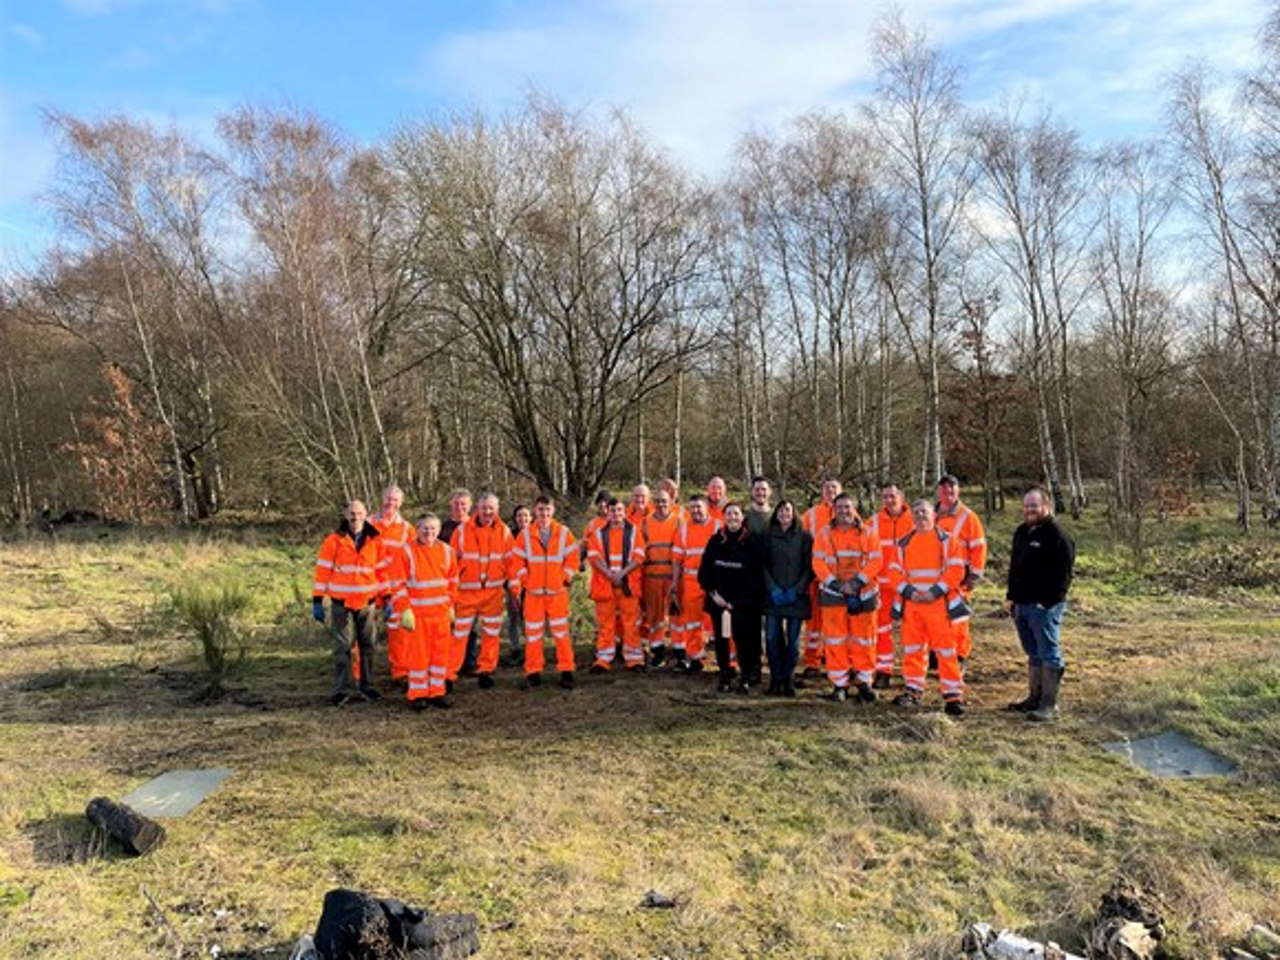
[(783, 829)]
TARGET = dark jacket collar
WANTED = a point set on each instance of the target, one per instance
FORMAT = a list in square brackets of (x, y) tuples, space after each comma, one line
[(369, 530)]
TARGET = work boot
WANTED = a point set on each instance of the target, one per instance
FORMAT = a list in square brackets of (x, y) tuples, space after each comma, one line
[(598, 667), (658, 656), (865, 693), (744, 689), (678, 659), (725, 684), (370, 695), (774, 689), (789, 688), (695, 666), (566, 679), (448, 686), (439, 703), (907, 698), (881, 681), (636, 668), (484, 681), (1050, 680), (533, 680), (810, 673), (417, 706), (954, 708), (342, 699), (1032, 700), (838, 695)]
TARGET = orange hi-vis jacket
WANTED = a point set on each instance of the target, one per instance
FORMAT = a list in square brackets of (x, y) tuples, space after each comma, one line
[(690, 544), (395, 535), (968, 539), (544, 571), (484, 554), (848, 553), (637, 516), (820, 515), (890, 530), (428, 579), (616, 547), (927, 563), (716, 510), (349, 576), (659, 541)]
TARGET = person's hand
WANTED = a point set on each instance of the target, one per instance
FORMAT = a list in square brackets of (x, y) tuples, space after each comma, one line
[(848, 587), (789, 595), (920, 596), (969, 582), (720, 601), (778, 596), (317, 610)]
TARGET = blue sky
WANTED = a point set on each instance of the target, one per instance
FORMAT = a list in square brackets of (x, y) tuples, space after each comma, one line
[(695, 73)]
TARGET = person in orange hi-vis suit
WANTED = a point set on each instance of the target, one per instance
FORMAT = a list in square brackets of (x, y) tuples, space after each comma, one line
[(483, 545), (426, 573), (691, 623), (927, 577), (349, 572), (717, 499), (673, 491), (659, 529), (545, 559), (846, 562), (891, 524), (616, 555), (641, 503), (813, 520), (969, 542), (396, 532)]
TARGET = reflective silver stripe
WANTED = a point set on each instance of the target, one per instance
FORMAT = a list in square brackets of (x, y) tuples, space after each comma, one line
[(923, 572), (319, 587), (470, 585), (848, 553), (327, 564), (352, 568), (427, 584), (428, 601), (981, 541), (355, 587)]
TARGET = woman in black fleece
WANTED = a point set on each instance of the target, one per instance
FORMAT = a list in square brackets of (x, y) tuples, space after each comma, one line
[(730, 575)]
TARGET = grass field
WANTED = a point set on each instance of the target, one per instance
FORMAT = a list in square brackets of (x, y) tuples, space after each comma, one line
[(783, 829)]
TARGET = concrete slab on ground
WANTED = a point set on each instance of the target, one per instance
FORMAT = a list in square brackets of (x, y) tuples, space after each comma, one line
[(176, 793), (1173, 756)]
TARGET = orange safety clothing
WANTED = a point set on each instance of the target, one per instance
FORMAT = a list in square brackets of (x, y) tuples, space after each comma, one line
[(691, 624), (658, 573), (847, 555), (927, 577), (889, 529), (637, 516), (427, 575), (969, 541), (354, 578), (544, 563), (716, 510), (396, 533), (616, 548), (814, 519), (484, 564)]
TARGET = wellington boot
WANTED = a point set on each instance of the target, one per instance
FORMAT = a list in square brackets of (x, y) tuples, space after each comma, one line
[(1050, 681), (881, 681), (1032, 700), (566, 679), (866, 694)]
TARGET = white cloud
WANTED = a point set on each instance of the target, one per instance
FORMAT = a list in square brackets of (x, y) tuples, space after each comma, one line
[(28, 34), (699, 74)]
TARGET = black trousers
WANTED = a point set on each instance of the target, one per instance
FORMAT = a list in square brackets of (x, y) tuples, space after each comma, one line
[(745, 627), (360, 620)]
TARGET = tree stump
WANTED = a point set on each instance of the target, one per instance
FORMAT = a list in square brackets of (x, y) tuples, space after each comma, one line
[(136, 833), (356, 926)]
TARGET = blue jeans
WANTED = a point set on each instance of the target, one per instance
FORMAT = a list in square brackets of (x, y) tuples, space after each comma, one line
[(1038, 629), (783, 655)]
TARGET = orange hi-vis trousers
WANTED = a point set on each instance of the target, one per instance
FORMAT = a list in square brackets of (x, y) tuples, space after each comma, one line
[(620, 613), (849, 641), (655, 615), (547, 613), (960, 631), (689, 628), (884, 630), (426, 655), (812, 657), (925, 627), (486, 606)]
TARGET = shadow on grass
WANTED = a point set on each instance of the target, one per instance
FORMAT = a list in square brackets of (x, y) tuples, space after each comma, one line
[(69, 839)]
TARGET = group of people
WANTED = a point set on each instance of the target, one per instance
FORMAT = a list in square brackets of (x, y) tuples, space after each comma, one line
[(666, 577)]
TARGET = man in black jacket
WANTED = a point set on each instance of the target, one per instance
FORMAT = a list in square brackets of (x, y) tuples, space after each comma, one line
[(1040, 567)]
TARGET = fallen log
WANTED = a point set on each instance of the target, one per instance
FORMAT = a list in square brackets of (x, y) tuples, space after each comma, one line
[(137, 834)]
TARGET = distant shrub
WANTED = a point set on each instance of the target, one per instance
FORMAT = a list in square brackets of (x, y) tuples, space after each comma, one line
[(1214, 567), (214, 612)]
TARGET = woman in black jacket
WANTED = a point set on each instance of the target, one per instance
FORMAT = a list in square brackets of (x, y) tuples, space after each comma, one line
[(731, 578), (787, 561)]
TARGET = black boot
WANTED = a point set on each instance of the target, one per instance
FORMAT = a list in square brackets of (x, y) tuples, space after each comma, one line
[(1032, 700), (1050, 681), (954, 708), (417, 706), (485, 681), (881, 681), (865, 693), (533, 680), (726, 680), (658, 656), (566, 679), (838, 695), (439, 703)]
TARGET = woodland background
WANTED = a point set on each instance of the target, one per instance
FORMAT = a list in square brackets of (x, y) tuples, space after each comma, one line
[(544, 299)]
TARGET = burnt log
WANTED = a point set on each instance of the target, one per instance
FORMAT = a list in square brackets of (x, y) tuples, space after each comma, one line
[(357, 926), (136, 833)]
